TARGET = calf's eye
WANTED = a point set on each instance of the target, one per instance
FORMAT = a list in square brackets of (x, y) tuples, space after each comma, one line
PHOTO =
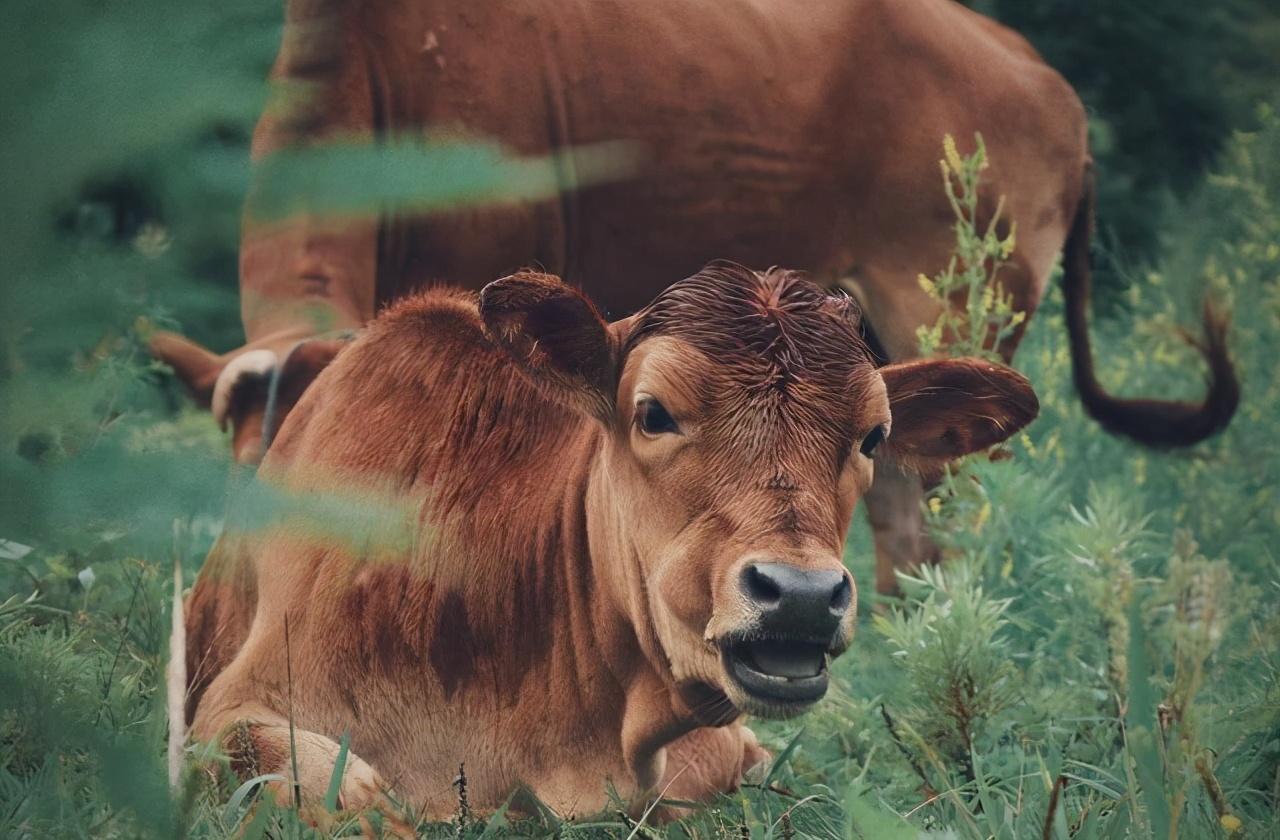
[(654, 419), (873, 439)]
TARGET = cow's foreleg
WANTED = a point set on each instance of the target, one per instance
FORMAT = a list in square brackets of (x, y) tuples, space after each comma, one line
[(895, 511), (706, 763), (257, 743)]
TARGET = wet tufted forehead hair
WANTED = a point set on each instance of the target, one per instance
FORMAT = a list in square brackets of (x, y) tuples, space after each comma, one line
[(778, 317)]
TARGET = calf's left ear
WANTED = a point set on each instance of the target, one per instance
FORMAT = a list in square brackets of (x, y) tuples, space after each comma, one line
[(556, 337), (945, 408)]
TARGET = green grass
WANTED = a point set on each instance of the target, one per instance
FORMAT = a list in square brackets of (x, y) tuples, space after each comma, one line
[(1105, 636)]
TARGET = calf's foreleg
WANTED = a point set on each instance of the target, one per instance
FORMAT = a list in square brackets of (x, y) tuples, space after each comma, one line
[(257, 743), (705, 763)]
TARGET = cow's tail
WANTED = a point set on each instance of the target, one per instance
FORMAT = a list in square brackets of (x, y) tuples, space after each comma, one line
[(1154, 423)]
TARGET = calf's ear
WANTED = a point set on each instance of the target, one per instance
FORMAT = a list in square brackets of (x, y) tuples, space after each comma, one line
[(945, 408), (556, 337)]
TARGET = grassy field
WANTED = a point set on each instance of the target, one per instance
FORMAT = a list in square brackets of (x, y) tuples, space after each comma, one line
[(1099, 657)]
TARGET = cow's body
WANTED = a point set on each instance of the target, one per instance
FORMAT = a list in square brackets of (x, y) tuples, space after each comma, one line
[(767, 132), (770, 133)]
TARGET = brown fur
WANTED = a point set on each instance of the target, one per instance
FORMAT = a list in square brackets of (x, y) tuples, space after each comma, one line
[(555, 621)]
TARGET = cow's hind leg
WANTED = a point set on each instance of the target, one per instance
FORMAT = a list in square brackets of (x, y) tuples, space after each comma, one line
[(257, 743), (895, 509)]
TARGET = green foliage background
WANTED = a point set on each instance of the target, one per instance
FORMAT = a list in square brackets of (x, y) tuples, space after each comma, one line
[(1109, 622)]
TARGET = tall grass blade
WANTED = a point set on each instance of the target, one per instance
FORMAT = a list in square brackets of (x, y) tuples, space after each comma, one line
[(782, 758), (237, 799), (339, 767), (1140, 722)]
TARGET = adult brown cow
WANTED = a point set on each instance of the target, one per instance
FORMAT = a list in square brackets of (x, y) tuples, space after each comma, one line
[(625, 536), (801, 134)]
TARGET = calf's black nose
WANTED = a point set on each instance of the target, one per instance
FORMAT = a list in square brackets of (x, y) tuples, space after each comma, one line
[(795, 601)]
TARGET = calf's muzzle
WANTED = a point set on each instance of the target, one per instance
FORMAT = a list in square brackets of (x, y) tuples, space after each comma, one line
[(804, 604), (777, 663)]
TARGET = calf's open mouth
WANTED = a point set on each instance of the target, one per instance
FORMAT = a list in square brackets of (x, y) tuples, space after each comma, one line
[(783, 671)]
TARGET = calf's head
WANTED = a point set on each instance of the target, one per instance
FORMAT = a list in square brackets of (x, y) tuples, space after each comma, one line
[(740, 415)]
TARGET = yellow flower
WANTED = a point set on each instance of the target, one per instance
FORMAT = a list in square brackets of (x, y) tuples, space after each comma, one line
[(984, 513), (1010, 242), (953, 155), (143, 327), (935, 505), (1231, 823), (926, 284)]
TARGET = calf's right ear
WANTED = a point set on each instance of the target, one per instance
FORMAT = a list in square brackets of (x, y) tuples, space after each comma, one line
[(942, 409), (556, 337)]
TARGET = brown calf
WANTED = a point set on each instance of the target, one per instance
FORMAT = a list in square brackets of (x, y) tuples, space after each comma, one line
[(624, 536)]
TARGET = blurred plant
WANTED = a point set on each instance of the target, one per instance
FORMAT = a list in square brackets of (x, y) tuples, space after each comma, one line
[(1199, 594), (126, 167)]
